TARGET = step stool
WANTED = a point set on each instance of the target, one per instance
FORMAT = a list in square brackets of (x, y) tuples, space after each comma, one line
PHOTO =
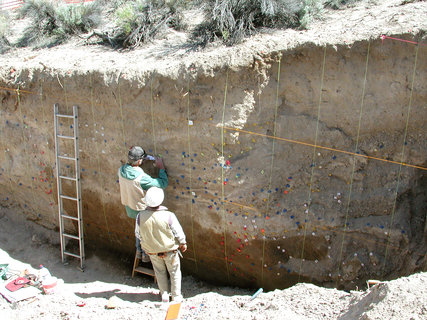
[(142, 270)]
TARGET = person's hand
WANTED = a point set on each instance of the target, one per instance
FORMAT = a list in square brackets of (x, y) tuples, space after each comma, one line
[(183, 247), (159, 163)]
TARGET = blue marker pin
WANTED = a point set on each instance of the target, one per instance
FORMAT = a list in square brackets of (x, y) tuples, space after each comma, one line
[(256, 293)]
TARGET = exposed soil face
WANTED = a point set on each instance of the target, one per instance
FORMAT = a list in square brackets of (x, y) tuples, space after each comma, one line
[(296, 156)]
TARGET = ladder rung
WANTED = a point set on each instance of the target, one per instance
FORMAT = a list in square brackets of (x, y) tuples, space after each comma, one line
[(66, 137), (144, 270), (72, 254), (71, 236), (67, 197), (69, 217), (64, 115), (68, 158), (68, 178)]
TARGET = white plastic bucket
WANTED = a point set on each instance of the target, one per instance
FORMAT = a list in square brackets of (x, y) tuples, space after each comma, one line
[(49, 285)]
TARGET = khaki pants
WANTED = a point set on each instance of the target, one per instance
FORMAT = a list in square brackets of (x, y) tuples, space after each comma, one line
[(162, 265)]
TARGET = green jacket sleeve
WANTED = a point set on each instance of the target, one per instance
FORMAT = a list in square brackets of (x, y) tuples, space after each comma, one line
[(161, 182)]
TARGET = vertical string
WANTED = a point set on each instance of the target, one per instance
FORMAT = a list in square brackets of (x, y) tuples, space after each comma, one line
[(152, 115), (4, 149), (401, 158), (271, 165), (121, 110), (3, 145), (354, 161), (222, 177), (44, 121), (65, 93), (24, 140), (190, 175), (312, 165), (119, 100), (122, 120), (97, 157)]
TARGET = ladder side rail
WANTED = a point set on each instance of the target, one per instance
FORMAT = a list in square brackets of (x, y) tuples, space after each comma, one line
[(78, 186), (59, 187)]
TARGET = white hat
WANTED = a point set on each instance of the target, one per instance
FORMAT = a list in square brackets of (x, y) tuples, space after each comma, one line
[(154, 197)]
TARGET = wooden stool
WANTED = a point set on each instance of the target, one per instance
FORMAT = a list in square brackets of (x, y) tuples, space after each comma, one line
[(142, 270)]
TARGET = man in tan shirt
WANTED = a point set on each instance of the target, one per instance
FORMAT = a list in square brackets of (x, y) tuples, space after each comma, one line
[(161, 238)]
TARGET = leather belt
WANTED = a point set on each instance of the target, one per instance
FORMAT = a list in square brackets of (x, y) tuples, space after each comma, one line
[(162, 254)]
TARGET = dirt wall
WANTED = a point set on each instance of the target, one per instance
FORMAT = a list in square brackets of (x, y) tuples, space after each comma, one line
[(302, 165)]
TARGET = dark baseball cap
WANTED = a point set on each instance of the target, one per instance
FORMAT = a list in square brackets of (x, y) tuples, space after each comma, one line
[(136, 153)]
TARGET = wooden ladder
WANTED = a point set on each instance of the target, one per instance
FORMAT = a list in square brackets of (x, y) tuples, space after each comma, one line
[(143, 270)]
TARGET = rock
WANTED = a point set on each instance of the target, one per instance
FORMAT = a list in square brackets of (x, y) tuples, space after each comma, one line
[(113, 302)]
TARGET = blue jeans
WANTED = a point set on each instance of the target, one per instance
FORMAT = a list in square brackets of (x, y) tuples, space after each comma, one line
[(144, 256), (138, 245)]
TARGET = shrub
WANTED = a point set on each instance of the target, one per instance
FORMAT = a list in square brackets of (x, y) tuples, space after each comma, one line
[(43, 22), (139, 21), (111, 5), (233, 20), (4, 27), (76, 19), (336, 4), (51, 23), (309, 11)]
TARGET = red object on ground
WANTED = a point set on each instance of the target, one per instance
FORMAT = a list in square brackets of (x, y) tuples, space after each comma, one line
[(16, 284)]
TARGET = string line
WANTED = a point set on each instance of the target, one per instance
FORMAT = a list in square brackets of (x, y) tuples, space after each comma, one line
[(324, 148), (402, 157), (313, 162), (354, 162), (402, 40), (119, 100), (97, 157), (222, 176), (4, 143), (191, 176), (271, 164), (65, 93), (24, 140), (122, 122), (152, 115), (14, 90), (50, 158)]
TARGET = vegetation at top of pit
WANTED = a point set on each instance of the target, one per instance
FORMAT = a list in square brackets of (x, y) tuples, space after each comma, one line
[(125, 24), (4, 26)]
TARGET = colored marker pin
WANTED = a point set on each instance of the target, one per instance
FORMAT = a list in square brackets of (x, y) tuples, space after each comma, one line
[(256, 293)]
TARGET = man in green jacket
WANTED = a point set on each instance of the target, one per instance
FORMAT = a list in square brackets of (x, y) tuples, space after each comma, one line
[(134, 182), (162, 237)]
